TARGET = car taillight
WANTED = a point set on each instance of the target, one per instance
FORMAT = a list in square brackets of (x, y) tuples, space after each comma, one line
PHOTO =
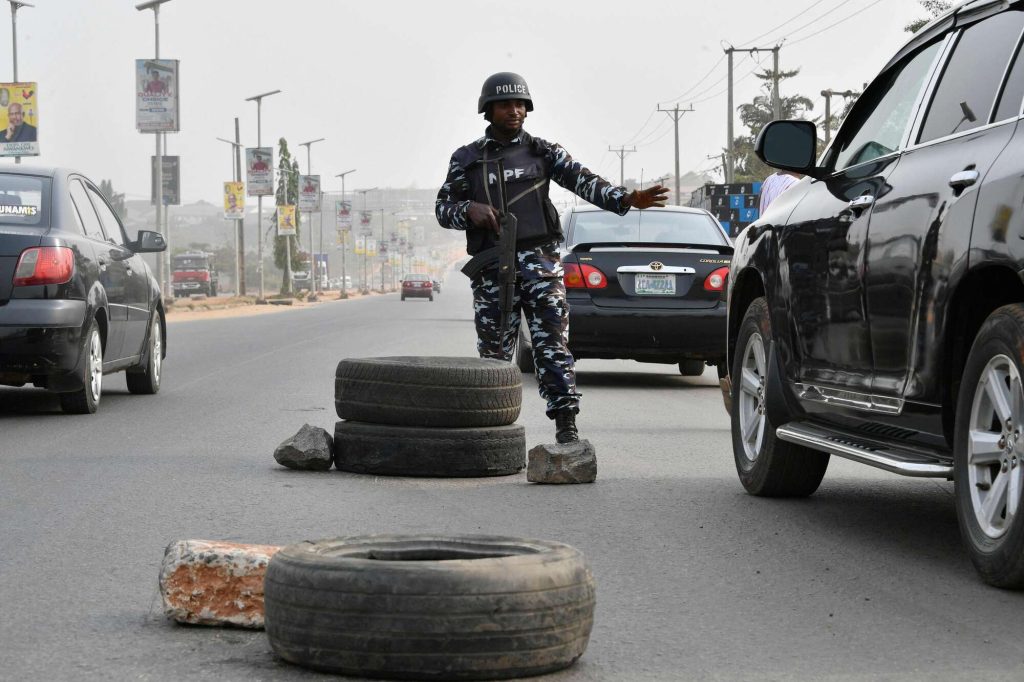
[(584, 277), (44, 265), (716, 280)]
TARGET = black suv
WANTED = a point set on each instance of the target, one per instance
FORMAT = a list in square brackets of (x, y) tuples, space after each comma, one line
[(876, 310)]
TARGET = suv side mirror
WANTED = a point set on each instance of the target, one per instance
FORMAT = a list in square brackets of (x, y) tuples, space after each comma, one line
[(148, 242), (789, 145)]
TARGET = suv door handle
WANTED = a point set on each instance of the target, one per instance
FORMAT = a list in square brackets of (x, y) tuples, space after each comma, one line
[(964, 179), (862, 202)]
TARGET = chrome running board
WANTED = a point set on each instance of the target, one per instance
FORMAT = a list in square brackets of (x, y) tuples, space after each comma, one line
[(888, 457)]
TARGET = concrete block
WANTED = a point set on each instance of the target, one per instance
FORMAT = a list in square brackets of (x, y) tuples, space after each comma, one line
[(569, 463), (205, 582), (311, 449)]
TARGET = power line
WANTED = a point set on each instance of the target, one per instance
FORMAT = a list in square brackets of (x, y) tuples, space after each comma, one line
[(830, 26), (791, 19)]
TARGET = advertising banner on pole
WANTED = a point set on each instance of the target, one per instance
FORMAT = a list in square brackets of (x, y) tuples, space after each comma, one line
[(360, 246), (341, 238), (234, 200), (285, 221), (371, 247), (365, 217), (171, 180), (259, 171), (156, 95), (309, 193), (19, 119), (343, 215)]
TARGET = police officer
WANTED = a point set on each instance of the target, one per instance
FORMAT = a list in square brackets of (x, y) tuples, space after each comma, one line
[(469, 201)]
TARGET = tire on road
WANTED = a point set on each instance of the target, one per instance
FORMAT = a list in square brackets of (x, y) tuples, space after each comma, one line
[(767, 466), (145, 379), (430, 607), (387, 450), (987, 466), (428, 391), (86, 400)]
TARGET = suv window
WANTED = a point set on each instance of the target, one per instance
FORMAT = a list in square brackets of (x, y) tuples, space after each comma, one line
[(1013, 91), (111, 225), (880, 128), (970, 81), (85, 211)]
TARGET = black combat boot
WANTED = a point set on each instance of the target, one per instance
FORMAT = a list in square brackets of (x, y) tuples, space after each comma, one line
[(565, 426)]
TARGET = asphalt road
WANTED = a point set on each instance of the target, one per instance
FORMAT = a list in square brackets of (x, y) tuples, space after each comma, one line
[(696, 579)]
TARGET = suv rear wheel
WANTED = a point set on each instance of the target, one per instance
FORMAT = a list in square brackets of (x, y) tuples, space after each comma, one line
[(766, 466), (989, 450)]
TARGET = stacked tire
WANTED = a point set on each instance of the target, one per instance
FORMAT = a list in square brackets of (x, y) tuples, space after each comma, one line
[(429, 416)]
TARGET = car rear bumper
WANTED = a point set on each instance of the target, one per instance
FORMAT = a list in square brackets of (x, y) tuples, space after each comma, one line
[(647, 334), (421, 293), (41, 338)]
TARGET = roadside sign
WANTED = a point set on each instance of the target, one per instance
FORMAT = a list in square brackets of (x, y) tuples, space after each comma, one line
[(259, 171), (156, 95), (19, 119), (285, 221), (234, 200), (309, 193), (171, 180), (343, 214)]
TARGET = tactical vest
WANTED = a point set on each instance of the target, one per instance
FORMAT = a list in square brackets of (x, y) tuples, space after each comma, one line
[(526, 182)]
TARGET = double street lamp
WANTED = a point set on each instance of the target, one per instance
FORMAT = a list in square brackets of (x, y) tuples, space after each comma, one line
[(259, 212)]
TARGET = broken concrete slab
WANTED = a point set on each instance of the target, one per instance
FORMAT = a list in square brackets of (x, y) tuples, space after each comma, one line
[(311, 449), (205, 582), (557, 463)]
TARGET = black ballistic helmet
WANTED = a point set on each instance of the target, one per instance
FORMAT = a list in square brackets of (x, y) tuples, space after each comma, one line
[(504, 85)]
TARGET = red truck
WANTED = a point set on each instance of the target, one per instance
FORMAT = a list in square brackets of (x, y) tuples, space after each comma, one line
[(194, 274)]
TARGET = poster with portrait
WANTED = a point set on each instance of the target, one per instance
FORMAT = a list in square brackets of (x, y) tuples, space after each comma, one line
[(371, 247), (343, 215), (234, 200), (156, 95), (259, 171), (360, 246), (171, 180), (365, 217), (285, 220), (19, 119), (341, 238), (309, 193)]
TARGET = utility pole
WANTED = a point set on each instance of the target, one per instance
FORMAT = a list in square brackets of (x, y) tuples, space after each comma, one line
[(380, 248), (344, 237), (730, 168), (312, 254), (675, 114), (259, 200), (236, 171), (366, 233), (621, 152), (15, 5), (828, 95)]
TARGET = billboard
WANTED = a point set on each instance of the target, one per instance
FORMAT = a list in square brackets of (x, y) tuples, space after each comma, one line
[(234, 200), (156, 95), (360, 246), (171, 180), (19, 119), (365, 217), (285, 221), (259, 171), (343, 214), (309, 193)]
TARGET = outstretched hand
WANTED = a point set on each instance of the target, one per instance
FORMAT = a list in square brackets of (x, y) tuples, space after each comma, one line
[(484, 216), (646, 198)]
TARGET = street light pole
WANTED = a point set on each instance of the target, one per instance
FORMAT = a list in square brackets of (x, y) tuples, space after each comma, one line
[(366, 287), (15, 5), (312, 254), (344, 240), (259, 211), (236, 172), (164, 273)]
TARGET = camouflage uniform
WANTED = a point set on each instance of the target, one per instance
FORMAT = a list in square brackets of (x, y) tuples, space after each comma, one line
[(540, 291)]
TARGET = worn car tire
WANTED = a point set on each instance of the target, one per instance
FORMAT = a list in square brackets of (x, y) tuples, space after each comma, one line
[(691, 368), (994, 538), (86, 400), (429, 607), (145, 380), (767, 467), (428, 391), (387, 450)]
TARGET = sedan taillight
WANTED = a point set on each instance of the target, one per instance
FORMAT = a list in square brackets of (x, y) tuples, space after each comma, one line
[(716, 280), (44, 265), (584, 277)]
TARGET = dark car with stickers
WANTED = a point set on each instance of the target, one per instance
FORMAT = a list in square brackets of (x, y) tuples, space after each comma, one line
[(76, 299), (876, 309), (646, 286)]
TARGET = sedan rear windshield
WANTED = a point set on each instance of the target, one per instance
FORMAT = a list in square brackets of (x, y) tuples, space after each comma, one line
[(417, 278), (24, 200), (662, 227)]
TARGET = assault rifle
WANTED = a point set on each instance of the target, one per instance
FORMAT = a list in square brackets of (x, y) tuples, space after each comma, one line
[(504, 253)]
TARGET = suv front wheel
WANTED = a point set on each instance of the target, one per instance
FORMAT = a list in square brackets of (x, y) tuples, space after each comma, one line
[(988, 460), (767, 466)]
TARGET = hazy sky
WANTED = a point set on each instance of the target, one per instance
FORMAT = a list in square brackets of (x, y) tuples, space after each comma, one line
[(393, 84)]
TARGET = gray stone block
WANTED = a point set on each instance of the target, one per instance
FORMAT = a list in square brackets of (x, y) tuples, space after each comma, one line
[(570, 463), (311, 449)]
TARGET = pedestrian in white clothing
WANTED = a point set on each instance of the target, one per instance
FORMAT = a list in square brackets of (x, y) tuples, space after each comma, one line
[(774, 185)]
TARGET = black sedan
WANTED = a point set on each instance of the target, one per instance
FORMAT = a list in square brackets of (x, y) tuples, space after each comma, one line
[(76, 299), (645, 286)]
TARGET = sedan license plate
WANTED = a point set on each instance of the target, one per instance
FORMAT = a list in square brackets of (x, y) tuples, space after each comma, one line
[(651, 284)]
